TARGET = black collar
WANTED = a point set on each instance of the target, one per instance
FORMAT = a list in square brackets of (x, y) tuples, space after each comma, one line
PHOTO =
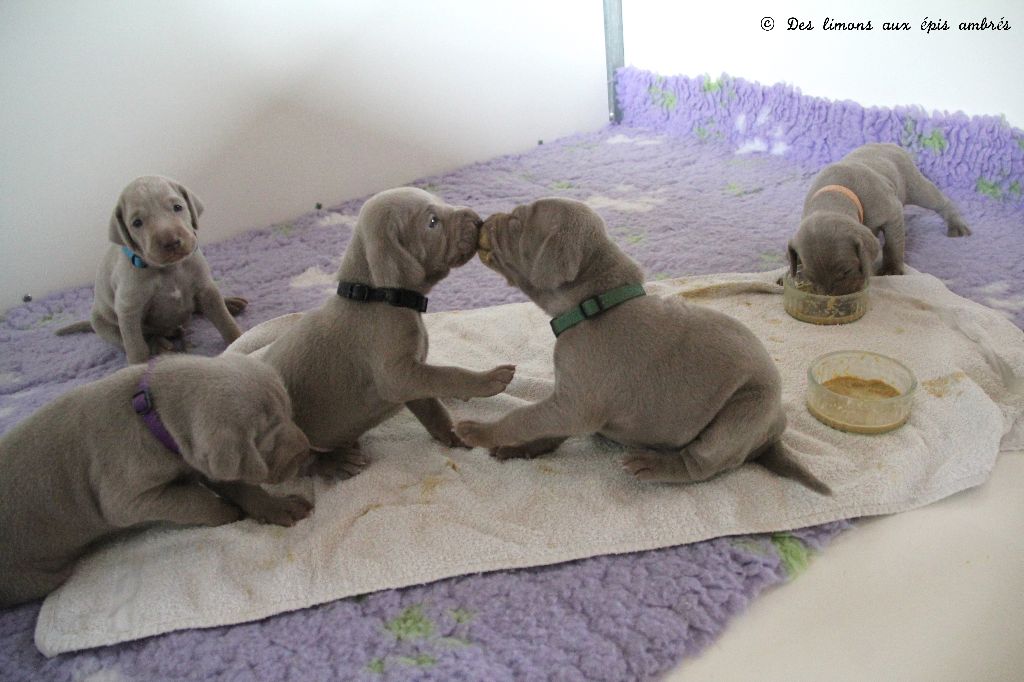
[(400, 298)]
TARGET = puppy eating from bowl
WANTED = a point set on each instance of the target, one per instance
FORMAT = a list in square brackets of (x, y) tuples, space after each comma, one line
[(185, 440), (689, 391), (361, 356), (852, 202)]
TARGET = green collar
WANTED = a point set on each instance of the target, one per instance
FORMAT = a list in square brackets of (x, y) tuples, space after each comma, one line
[(592, 307)]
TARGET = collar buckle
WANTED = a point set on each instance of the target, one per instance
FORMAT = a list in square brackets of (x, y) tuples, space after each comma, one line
[(592, 307), (142, 402), (359, 292)]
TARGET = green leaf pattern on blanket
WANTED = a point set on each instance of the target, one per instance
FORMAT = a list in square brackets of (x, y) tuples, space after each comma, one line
[(934, 142), (794, 554), (989, 188), (411, 624), (419, 640), (666, 99)]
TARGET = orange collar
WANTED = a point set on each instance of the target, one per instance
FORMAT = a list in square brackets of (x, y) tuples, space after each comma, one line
[(846, 192)]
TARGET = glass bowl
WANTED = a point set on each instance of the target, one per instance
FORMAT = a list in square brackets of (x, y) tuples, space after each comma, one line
[(860, 392), (800, 302)]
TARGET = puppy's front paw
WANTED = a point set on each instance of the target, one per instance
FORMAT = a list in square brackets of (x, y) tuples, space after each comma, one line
[(281, 511), (235, 304), (494, 381), (337, 465), (957, 228), (474, 434), (890, 270), (450, 439)]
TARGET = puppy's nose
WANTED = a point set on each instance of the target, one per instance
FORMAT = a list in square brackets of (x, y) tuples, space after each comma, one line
[(478, 223), (171, 244)]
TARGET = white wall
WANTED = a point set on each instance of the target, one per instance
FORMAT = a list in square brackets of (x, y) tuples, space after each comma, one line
[(977, 72), (265, 108)]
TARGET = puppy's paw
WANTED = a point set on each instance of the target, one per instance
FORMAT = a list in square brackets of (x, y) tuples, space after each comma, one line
[(652, 467), (494, 381), (235, 304), (450, 439), (281, 511), (890, 270), (474, 434), (957, 228), (337, 465)]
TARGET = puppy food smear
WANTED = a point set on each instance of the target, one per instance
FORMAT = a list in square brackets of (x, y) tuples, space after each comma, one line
[(863, 389)]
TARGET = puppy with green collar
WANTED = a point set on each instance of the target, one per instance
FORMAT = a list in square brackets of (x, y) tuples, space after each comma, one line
[(691, 391)]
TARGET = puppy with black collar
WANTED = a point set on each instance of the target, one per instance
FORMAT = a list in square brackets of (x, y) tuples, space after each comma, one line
[(361, 356)]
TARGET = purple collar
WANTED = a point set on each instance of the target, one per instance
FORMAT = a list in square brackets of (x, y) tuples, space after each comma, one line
[(142, 403)]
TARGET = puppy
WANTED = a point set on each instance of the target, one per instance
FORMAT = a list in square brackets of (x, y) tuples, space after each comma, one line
[(356, 360), (154, 276), (849, 204), (90, 463), (692, 390)]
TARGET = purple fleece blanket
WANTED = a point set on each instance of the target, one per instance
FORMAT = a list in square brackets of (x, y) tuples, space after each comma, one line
[(702, 176)]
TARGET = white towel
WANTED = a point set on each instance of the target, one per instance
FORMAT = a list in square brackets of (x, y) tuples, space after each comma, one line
[(422, 512)]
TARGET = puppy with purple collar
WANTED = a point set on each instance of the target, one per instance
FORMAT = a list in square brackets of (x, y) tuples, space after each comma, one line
[(154, 276), (185, 440)]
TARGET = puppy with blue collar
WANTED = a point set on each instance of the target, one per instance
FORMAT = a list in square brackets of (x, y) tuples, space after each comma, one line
[(154, 276)]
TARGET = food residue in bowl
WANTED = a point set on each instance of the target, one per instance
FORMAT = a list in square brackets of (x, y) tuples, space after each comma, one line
[(862, 389), (803, 301)]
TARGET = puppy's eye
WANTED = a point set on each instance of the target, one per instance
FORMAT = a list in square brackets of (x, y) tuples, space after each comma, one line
[(137, 222), (178, 208), (434, 222)]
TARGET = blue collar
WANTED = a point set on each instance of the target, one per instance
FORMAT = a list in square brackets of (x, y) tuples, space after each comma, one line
[(136, 259)]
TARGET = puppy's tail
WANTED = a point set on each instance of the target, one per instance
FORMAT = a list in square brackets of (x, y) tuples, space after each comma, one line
[(777, 460), (83, 326)]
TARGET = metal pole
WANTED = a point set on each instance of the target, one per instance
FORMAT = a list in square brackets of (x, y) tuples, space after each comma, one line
[(614, 52)]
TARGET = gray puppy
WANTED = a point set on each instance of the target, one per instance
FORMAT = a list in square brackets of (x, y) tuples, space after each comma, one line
[(693, 391), (88, 465), (351, 364), (154, 276), (853, 201)]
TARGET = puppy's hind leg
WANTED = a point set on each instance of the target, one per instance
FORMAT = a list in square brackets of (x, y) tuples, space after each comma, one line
[(921, 192), (743, 427)]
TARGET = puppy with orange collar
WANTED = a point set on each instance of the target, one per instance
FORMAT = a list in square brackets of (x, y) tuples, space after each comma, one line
[(850, 203)]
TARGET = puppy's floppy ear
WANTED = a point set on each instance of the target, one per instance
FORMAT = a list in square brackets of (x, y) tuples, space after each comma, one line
[(118, 229), (794, 259), (227, 454), (867, 248), (195, 206), (558, 260), (391, 264)]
